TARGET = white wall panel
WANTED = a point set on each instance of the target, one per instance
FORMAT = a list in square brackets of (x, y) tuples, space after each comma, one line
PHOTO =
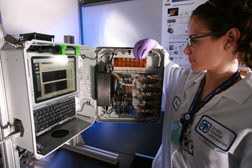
[(123, 23), (54, 17)]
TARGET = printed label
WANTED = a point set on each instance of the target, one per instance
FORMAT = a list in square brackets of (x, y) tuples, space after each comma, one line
[(215, 132)]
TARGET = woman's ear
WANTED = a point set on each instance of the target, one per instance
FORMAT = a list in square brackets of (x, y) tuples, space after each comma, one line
[(231, 38)]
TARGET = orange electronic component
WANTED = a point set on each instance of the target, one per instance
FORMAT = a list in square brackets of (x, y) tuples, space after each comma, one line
[(129, 64)]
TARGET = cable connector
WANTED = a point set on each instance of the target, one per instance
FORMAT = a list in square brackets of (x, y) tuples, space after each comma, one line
[(18, 126), (19, 131)]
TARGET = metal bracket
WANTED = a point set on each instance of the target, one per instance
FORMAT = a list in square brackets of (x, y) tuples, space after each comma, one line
[(77, 145)]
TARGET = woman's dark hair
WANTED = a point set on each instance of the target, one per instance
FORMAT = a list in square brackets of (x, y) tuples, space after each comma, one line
[(221, 15)]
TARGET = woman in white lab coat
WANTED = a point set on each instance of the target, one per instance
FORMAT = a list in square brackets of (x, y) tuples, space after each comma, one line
[(208, 112)]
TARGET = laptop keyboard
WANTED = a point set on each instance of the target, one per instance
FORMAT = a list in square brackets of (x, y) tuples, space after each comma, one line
[(50, 115)]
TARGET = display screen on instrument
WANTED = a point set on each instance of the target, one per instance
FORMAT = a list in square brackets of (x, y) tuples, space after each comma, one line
[(53, 76)]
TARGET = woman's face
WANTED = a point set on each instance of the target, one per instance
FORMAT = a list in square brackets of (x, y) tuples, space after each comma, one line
[(205, 53)]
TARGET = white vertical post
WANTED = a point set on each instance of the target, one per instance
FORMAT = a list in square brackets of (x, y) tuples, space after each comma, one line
[(9, 152)]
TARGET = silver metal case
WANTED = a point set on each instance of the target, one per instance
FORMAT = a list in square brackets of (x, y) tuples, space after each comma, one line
[(126, 81)]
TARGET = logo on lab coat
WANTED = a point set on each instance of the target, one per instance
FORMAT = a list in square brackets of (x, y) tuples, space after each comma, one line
[(205, 126), (215, 132), (176, 102)]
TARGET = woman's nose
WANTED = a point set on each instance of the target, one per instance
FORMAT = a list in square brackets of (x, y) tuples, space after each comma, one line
[(187, 49)]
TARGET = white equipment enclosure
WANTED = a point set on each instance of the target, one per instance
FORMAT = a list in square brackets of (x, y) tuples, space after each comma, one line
[(55, 91)]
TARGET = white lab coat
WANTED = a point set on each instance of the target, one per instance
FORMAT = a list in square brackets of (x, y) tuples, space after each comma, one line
[(227, 142)]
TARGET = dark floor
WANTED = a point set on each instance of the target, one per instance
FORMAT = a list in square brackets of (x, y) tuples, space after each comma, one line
[(128, 138), (63, 158)]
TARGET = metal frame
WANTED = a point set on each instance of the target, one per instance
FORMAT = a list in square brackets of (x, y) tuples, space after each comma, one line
[(77, 145), (9, 152)]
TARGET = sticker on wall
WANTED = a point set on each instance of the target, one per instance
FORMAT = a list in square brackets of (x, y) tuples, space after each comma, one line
[(176, 54), (180, 0), (167, 2), (173, 11)]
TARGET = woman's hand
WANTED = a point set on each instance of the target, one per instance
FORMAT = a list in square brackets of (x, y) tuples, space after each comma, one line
[(142, 47)]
